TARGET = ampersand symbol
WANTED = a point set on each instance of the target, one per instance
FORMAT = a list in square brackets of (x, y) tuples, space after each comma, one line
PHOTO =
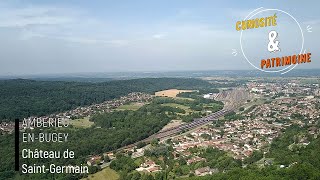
[(273, 45)]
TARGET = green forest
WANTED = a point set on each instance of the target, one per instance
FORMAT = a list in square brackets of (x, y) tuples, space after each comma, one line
[(111, 131), (21, 98)]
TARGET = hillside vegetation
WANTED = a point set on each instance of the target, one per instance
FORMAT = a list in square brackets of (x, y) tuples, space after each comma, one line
[(23, 98)]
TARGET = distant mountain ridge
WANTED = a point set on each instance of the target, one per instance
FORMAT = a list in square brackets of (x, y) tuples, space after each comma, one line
[(107, 76)]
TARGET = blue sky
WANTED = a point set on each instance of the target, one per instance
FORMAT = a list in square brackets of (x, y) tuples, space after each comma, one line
[(44, 37)]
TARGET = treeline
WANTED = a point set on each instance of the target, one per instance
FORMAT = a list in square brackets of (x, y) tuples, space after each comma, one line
[(148, 119), (196, 94), (7, 156), (23, 98), (233, 116), (197, 104), (284, 155), (220, 160)]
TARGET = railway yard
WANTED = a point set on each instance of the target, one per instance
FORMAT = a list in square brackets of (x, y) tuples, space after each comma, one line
[(251, 129), (251, 117)]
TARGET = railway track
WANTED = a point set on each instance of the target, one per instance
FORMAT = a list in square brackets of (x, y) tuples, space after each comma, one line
[(184, 127), (232, 100)]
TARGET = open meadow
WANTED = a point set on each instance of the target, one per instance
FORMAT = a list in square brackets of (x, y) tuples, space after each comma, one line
[(105, 174), (171, 92)]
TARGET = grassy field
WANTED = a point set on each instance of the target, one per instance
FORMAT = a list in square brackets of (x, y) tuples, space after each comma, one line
[(81, 123), (105, 174), (183, 98), (139, 161), (174, 105), (171, 92), (131, 106)]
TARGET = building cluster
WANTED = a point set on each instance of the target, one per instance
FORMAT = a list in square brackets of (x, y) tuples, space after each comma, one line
[(283, 110), (260, 123), (79, 112), (240, 137), (95, 160), (6, 127), (205, 171), (149, 166), (106, 106), (293, 87)]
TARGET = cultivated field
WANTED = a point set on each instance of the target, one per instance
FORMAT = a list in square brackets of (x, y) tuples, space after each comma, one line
[(81, 123), (174, 105), (171, 92), (105, 174)]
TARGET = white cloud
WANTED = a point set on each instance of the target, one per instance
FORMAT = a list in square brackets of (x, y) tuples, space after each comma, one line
[(312, 22), (33, 16), (27, 35), (59, 23), (159, 36)]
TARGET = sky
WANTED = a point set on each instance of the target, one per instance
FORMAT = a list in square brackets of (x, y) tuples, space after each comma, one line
[(52, 37)]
